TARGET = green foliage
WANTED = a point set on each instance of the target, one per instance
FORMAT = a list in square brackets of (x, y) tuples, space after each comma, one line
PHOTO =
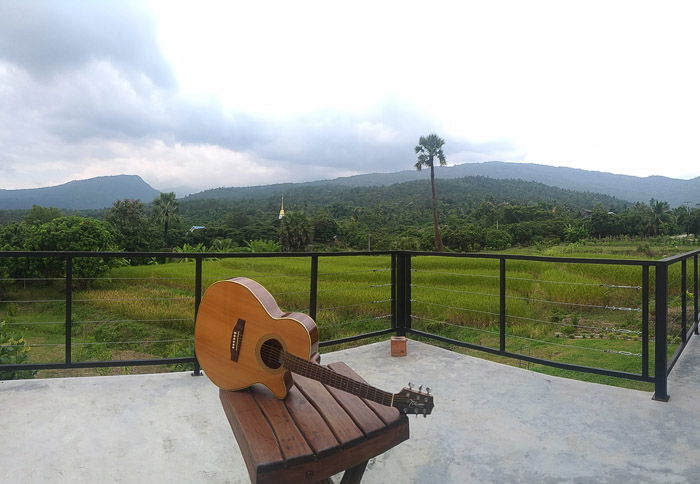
[(165, 211), (574, 232), (262, 246), (188, 248), (295, 232), (325, 229), (70, 233), (467, 238), (222, 245), (38, 215), (74, 233), (134, 232), (14, 350), (497, 239)]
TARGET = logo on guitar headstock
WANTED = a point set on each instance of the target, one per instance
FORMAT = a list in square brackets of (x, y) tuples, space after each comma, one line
[(410, 401)]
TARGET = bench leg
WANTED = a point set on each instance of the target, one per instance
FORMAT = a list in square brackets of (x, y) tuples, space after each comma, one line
[(354, 474)]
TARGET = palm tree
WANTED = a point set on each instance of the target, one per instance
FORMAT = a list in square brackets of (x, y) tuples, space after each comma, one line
[(166, 209), (430, 147), (295, 231), (659, 215)]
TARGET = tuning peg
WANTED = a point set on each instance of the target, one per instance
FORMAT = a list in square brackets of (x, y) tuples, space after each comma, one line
[(410, 386), (420, 387), (427, 390)]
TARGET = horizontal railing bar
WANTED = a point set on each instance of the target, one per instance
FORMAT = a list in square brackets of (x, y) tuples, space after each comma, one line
[(22, 301), (539, 258), (243, 255), (562, 366), (122, 299), (356, 337), (678, 257), (184, 255), (96, 364)]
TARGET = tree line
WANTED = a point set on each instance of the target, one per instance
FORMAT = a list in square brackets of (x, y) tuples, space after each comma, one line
[(471, 214)]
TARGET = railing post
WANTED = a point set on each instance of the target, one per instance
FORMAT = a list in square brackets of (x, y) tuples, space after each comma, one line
[(684, 301), (197, 370), (69, 309), (393, 291), (408, 310), (502, 307), (660, 310), (313, 289), (695, 294), (645, 320), (403, 293)]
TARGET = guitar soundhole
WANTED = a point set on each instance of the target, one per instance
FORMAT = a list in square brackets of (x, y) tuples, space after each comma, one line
[(270, 353)]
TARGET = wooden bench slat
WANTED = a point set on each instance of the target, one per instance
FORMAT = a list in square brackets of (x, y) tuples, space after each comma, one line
[(363, 416), (258, 443), (310, 423), (314, 433), (389, 415), (338, 420), (291, 442)]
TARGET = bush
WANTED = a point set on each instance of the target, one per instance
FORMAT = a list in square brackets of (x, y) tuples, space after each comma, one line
[(262, 246), (498, 239), (60, 234), (466, 238), (13, 351)]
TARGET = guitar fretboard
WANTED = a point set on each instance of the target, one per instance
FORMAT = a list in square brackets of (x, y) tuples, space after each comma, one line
[(331, 378)]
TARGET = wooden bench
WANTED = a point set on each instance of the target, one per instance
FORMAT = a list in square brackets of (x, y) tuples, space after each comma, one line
[(316, 432)]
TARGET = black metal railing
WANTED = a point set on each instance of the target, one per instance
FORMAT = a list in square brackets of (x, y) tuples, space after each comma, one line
[(414, 310)]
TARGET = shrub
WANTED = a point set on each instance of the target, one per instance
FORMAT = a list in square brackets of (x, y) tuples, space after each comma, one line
[(498, 239), (13, 351)]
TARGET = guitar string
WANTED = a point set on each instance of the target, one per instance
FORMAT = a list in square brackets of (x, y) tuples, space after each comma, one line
[(311, 370)]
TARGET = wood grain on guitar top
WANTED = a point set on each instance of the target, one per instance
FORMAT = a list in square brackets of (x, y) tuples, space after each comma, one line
[(224, 304)]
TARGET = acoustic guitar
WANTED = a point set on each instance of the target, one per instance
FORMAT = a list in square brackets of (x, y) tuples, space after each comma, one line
[(242, 338)]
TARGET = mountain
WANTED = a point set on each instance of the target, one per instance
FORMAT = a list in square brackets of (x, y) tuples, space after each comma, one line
[(408, 201), (625, 187), (92, 193)]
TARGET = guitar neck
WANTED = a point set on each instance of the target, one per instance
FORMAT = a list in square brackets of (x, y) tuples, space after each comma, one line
[(331, 378)]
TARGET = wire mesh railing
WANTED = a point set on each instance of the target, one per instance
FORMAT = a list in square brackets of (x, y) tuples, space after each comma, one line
[(137, 315), (602, 316), (613, 317)]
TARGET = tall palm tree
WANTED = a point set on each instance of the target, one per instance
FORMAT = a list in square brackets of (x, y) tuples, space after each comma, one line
[(659, 215), (430, 147), (166, 209)]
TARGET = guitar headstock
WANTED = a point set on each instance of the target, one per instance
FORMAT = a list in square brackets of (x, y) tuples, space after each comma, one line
[(410, 401)]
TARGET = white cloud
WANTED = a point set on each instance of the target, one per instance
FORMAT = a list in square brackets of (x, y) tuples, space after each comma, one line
[(250, 93)]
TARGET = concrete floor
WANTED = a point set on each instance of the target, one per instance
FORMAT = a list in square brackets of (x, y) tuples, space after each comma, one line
[(491, 423)]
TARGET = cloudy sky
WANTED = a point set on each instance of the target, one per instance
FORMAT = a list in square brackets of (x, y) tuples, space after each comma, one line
[(206, 94)]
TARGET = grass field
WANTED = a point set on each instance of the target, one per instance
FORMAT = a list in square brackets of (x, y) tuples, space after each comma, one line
[(584, 314)]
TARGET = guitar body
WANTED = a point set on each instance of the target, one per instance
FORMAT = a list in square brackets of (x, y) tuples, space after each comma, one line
[(240, 332)]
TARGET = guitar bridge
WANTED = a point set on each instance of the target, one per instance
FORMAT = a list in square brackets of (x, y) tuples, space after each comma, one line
[(236, 339)]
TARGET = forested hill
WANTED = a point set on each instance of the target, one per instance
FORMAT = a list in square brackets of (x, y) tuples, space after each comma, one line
[(404, 199), (92, 193), (625, 187)]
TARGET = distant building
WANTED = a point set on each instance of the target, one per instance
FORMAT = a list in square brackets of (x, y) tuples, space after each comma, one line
[(281, 215)]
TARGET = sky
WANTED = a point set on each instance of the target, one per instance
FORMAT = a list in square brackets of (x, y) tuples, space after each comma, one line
[(197, 95)]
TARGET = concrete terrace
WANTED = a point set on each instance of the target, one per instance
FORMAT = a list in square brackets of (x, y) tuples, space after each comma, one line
[(491, 423)]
